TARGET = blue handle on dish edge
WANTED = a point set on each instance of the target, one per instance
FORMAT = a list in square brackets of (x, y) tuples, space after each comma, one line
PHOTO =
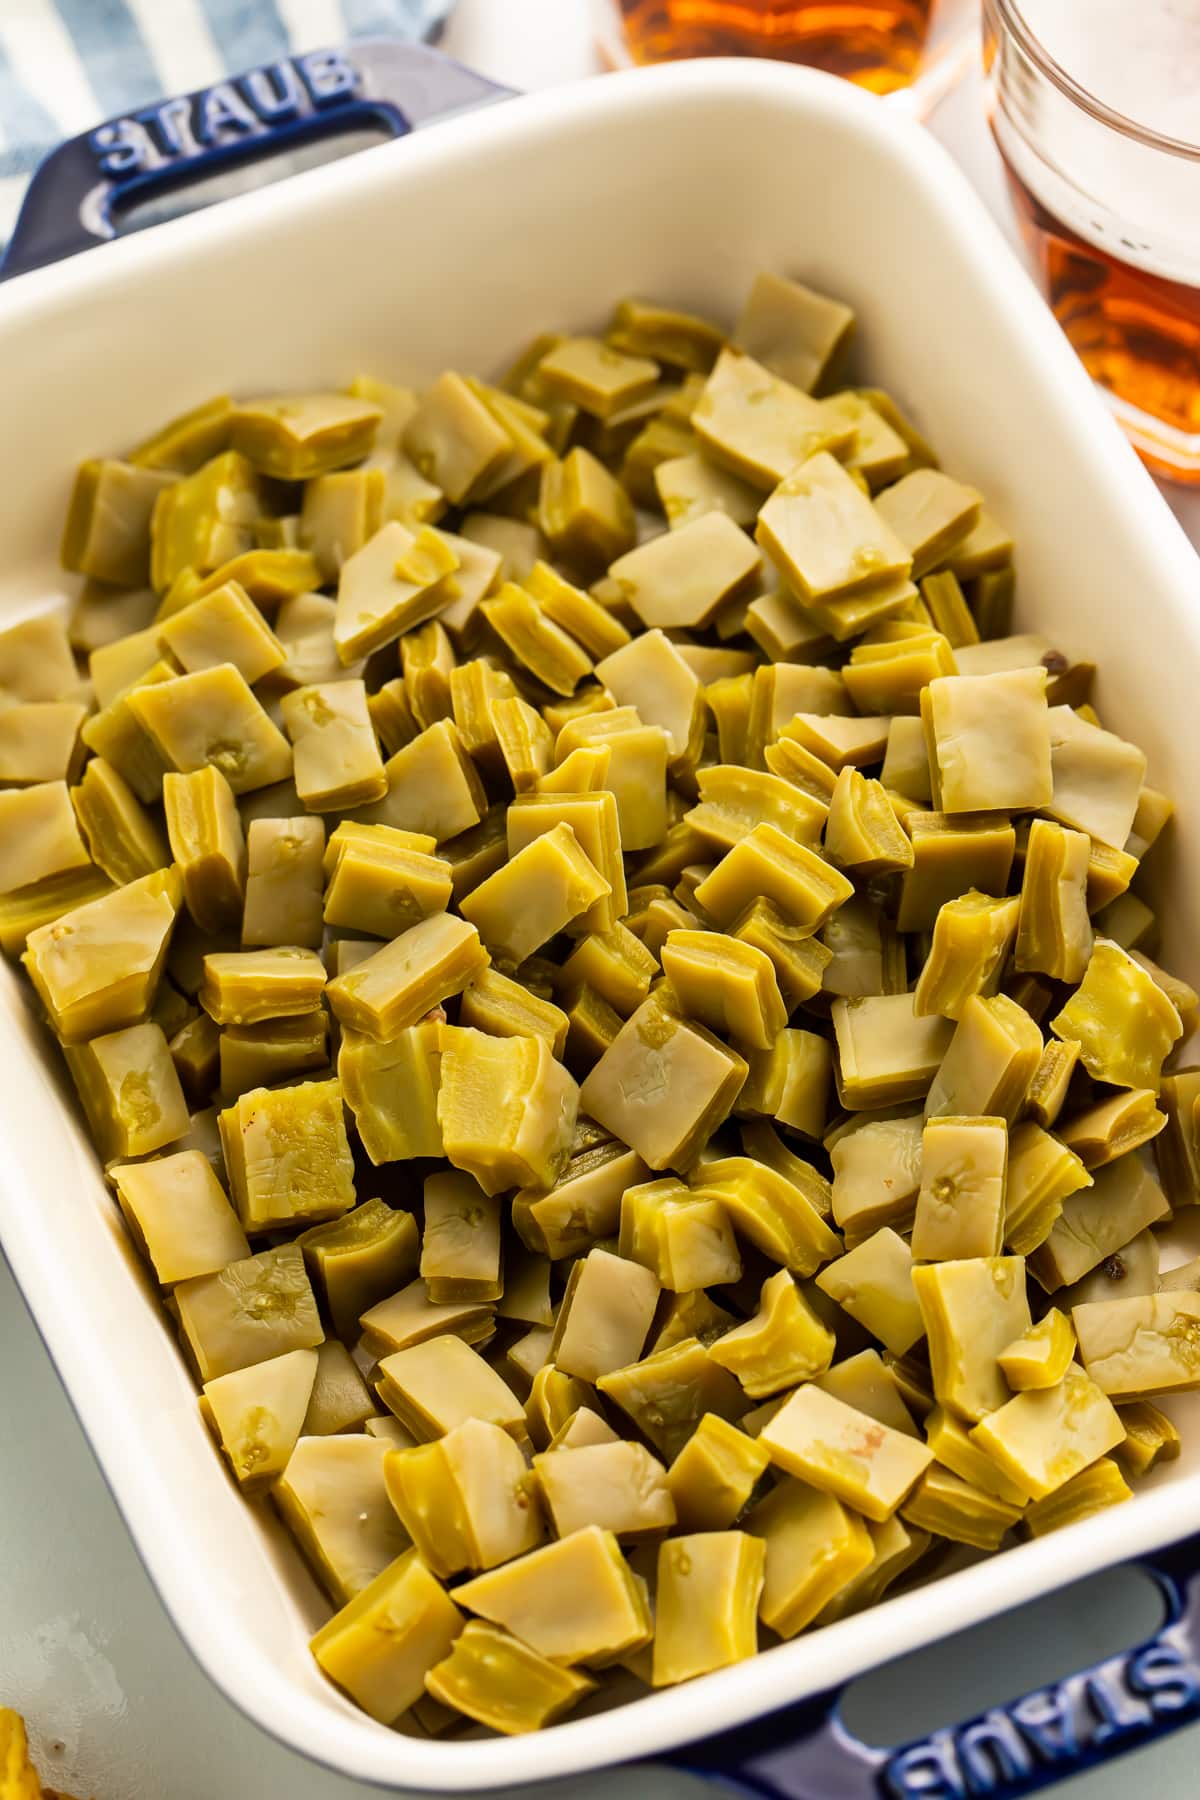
[(806, 1752), (377, 83)]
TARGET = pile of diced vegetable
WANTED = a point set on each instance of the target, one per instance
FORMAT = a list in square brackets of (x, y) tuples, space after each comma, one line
[(610, 991)]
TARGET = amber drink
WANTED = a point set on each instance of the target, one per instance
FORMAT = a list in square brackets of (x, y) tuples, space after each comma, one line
[(877, 43), (1096, 115)]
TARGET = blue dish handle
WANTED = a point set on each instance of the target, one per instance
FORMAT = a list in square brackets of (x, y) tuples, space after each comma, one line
[(806, 1752), (79, 190)]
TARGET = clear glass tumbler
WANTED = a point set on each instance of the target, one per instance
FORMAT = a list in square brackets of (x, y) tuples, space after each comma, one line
[(1096, 111)]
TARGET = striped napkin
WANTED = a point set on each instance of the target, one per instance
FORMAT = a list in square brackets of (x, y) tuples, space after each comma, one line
[(66, 65)]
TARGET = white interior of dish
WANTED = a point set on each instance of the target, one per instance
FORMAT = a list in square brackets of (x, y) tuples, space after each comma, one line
[(450, 250)]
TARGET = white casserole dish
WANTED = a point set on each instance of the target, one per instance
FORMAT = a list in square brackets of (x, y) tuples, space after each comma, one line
[(450, 249)]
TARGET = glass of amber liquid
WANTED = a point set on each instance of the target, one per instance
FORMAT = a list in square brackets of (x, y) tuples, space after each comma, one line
[(1096, 110), (877, 43)]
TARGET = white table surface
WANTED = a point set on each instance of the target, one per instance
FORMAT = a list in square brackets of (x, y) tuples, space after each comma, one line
[(116, 1707)]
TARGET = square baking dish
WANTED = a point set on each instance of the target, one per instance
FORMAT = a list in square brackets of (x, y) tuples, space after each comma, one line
[(450, 248)]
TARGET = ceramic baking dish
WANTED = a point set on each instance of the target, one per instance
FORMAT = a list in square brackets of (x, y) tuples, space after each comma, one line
[(450, 248)]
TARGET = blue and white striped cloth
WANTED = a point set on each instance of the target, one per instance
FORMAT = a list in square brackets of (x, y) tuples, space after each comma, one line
[(66, 65)]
